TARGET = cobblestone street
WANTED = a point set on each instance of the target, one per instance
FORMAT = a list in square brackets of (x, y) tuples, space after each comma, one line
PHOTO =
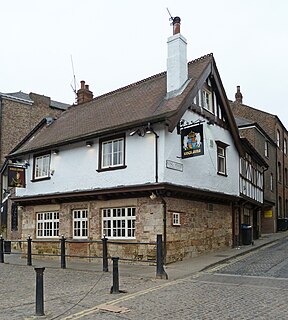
[(251, 286)]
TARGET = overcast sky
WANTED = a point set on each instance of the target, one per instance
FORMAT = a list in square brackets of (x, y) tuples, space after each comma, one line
[(114, 43)]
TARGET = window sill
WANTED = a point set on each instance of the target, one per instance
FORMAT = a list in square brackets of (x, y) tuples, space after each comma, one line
[(222, 174), (111, 168), (40, 179)]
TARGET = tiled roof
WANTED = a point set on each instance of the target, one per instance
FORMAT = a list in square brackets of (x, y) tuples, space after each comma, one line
[(132, 105), (25, 96)]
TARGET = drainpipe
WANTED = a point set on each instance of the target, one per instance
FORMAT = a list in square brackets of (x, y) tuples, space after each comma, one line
[(151, 130), (164, 204), (1, 181)]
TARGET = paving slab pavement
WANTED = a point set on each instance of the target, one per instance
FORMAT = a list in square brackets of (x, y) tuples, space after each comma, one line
[(176, 270)]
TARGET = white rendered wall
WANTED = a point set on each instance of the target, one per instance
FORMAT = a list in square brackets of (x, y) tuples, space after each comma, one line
[(201, 171), (75, 168)]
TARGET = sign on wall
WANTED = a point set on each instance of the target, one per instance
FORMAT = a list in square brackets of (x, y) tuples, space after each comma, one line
[(16, 177), (192, 141)]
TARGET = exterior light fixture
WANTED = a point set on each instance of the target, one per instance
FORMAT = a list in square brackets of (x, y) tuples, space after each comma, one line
[(89, 144), (55, 151), (153, 196), (149, 129)]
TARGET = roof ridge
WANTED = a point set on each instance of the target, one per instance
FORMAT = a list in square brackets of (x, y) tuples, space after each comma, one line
[(147, 79), (201, 58), (131, 85)]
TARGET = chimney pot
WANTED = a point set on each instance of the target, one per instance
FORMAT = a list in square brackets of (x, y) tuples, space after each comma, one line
[(238, 95), (84, 94), (176, 25)]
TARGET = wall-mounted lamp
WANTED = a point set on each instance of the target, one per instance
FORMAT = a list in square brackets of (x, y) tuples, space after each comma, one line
[(149, 129), (55, 151), (89, 144), (153, 196), (211, 122)]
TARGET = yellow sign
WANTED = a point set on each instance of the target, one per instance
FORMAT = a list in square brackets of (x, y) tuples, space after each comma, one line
[(268, 214)]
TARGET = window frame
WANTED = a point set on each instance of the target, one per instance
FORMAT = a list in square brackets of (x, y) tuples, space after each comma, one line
[(80, 220), (36, 157), (278, 138), (119, 226), (44, 221), (279, 172), (221, 146), (207, 100), (113, 166), (266, 149), (176, 219), (285, 146)]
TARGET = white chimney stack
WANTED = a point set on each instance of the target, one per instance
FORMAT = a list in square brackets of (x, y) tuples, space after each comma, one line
[(177, 68)]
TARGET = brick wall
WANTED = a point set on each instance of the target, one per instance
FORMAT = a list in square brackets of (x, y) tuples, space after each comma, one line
[(19, 118)]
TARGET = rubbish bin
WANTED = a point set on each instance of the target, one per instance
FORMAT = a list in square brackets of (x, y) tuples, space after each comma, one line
[(7, 246), (246, 234), (282, 224)]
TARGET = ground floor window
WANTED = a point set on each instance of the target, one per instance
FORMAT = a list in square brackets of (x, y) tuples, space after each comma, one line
[(176, 219), (80, 224), (48, 224), (119, 223)]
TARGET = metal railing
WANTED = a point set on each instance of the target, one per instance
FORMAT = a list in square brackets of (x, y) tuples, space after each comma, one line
[(5, 248)]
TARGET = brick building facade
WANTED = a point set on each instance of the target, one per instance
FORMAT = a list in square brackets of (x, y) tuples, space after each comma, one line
[(269, 137), (19, 114)]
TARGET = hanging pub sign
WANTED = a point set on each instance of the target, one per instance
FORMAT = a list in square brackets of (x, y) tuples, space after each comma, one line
[(16, 177), (192, 141)]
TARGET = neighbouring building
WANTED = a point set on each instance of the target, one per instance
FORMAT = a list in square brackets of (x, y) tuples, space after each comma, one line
[(159, 156), (269, 137), (19, 114)]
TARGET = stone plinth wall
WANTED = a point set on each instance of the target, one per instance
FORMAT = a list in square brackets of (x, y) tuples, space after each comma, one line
[(202, 228)]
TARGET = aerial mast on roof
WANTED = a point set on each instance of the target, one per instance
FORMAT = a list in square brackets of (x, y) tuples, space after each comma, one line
[(74, 88), (171, 18)]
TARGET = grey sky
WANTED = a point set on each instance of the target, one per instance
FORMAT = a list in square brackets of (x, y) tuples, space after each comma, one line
[(114, 43)]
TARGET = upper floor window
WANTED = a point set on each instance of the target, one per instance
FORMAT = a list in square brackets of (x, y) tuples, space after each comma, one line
[(207, 101), (80, 223), (41, 166), (271, 182), (221, 158), (266, 151), (285, 146), (112, 153), (279, 176), (278, 138)]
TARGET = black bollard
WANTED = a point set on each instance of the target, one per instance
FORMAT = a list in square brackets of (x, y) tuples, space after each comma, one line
[(39, 291), (1, 249), (105, 252), (160, 272), (29, 251), (63, 256), (115, 287)]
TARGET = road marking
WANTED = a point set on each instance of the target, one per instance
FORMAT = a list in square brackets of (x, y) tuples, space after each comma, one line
[(94, 309)]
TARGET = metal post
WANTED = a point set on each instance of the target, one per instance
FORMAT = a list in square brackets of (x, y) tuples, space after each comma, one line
[(63, 256), (160, 272), (1, 249), (105, 253), (29, 251), (39, 292), (115, 287)]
